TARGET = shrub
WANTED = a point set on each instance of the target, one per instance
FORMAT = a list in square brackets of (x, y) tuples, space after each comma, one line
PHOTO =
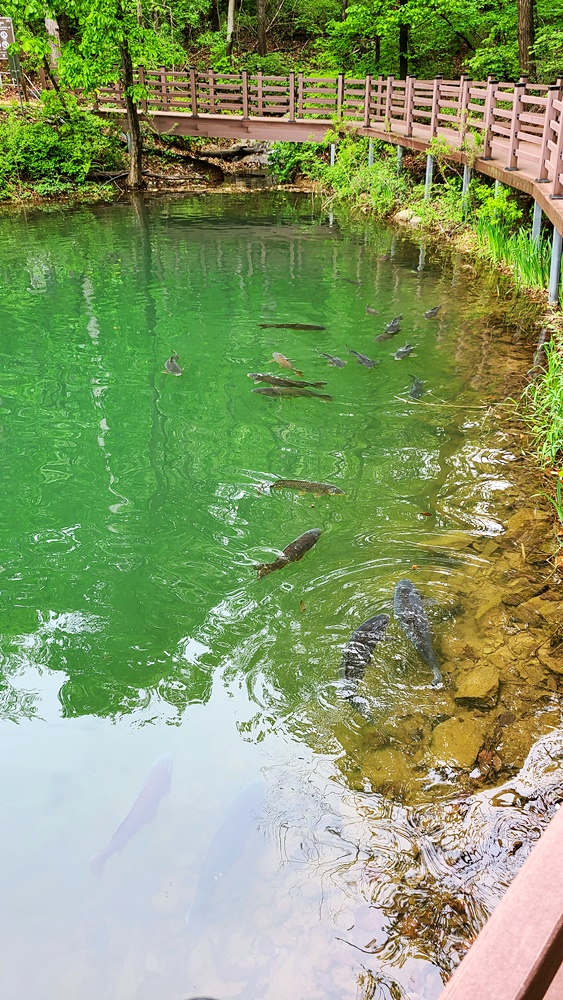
[(57, 139)]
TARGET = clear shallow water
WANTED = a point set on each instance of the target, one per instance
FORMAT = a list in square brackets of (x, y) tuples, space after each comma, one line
[(133, 625)]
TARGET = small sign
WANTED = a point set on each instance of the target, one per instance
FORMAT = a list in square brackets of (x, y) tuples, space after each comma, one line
[(6, 37)]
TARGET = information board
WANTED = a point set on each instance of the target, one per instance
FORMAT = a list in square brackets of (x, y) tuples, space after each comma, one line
[(6, 37)]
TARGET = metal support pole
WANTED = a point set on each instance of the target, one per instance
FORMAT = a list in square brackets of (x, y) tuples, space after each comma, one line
[(129, 142), (465, 187), (370, 153), (555, 268), (429, 175), (332, 154), (536, 222), (466, 180), (498, 186), (399, 160)]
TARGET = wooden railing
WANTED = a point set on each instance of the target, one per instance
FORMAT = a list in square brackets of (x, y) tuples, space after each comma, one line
[(523, 120)]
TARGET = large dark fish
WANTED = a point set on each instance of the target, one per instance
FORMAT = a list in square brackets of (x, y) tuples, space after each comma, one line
[(241, 819), (410, 614), (359, 648), (403, 352), (356, 656), (305, 486), (287, 391), (416, 389), (362, 359), (292, 552), (291, 326), (280, 380), (383, 336), (394, 325), (171, 366), (430, 313), (143, 810), (332, 360)]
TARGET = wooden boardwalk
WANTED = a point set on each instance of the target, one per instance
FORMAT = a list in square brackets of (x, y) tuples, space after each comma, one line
[(512, 132)]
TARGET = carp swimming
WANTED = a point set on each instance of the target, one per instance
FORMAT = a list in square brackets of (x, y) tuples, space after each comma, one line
[(410, 613), (292, 552)]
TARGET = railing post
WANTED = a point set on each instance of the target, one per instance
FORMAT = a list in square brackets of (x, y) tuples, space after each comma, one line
[(409, 94), (260, 89), (300, 96), (339, 95), (435, 106), (489, 118), (553, 93), (245, 93), (513, 143), (557, 150), (389, 103), (379, 97), (211, 92), (118, 95), (164, 87), (144, 104), (193, 91), (464, 108), (292, 96), (367, 103)]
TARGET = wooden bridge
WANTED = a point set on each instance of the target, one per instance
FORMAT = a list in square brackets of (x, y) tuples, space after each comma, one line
[(510, 131)]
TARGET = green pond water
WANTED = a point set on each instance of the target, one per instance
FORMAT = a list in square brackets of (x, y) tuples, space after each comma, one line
[(133, 626)]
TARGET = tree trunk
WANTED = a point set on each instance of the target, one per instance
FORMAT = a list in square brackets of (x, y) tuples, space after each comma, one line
[(215, 16), (403, 47), (526, 37), (230, 27), (135, 178), (403, 51), (343, 10), (64, 28), (377, 51), (52, 29), (261, 12)]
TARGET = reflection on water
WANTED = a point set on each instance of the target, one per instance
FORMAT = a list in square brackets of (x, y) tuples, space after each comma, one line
[(302, 846)]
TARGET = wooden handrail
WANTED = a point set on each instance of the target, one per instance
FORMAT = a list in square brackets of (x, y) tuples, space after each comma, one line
[(516, 119), (519, 951)]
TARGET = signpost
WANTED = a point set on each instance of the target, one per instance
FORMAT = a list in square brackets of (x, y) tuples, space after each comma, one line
[(7, 38)]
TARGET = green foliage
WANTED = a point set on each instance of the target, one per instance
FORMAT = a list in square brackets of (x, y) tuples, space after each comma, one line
[(376, 189), (215, 44), (54, 141), (543, 406), (499, 208), (288, 160)]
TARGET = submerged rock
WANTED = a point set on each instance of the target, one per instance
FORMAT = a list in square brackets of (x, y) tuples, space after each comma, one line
[(479, 689), (457, 742)]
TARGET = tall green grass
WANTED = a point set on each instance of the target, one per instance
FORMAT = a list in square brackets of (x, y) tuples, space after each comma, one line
[(543, 406), (528, 258)]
